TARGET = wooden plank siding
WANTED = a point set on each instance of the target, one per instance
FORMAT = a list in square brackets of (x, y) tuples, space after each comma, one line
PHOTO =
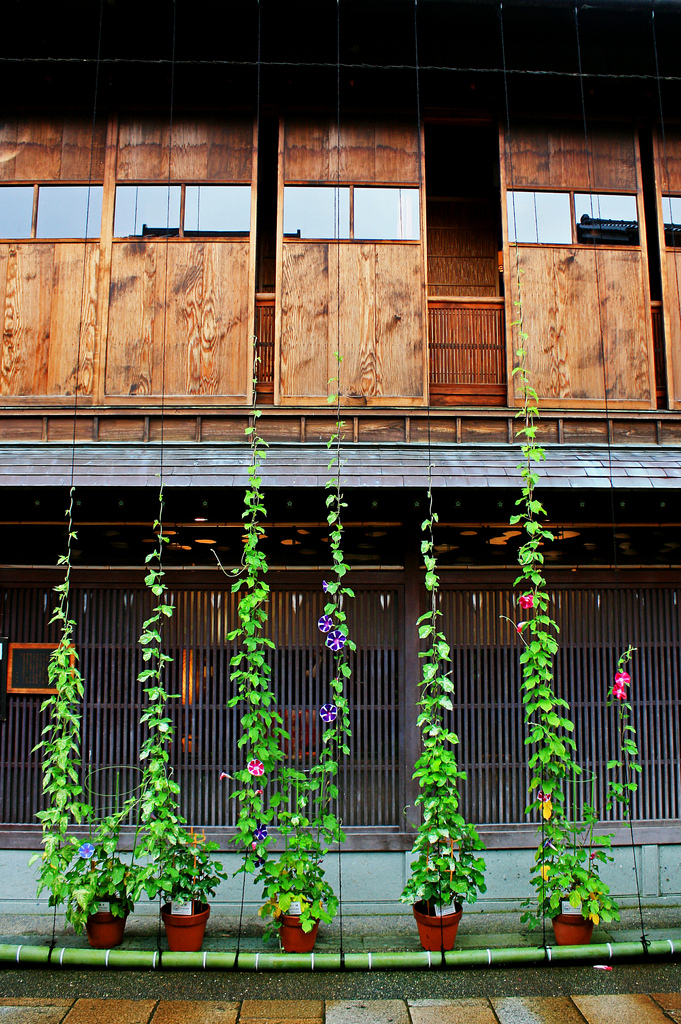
[(380, 319), (204, 148), (178, 319), (585, 308), (51, 148), (365, 300), (668, 182), (563, 288)]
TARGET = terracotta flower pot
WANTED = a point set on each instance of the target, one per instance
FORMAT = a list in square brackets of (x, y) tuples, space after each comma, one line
[(572, 930), (104, 931), (293, 938), (437, 933), (185, 931)]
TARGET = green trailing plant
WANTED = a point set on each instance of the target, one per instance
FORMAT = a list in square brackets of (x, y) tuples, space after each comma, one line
[(570, 853), (261, 723), (309, 822), (60, 745), (164, 844), (441, 874), (98, 874)]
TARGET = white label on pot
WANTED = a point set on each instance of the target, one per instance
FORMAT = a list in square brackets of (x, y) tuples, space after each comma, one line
[(444, 911), (295, 908), (567, 908), (184, 909)]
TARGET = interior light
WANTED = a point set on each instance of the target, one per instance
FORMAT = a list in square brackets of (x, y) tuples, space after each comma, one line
[(200, 519), (204, 540)]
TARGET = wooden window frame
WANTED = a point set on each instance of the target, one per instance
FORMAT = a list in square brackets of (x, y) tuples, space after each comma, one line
[(574, 244), (37, 185), (351, 186), (191, 237)]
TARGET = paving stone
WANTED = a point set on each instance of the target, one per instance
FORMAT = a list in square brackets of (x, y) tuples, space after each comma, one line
[(282, 1009), (451, 1011), (536, 1010), (108, 1011), (33, 1011), (632, 1009), (366, 1011), (669, 1001), (184, 1011)]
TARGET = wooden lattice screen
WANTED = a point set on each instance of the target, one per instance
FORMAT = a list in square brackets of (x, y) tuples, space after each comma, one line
[(595, 625)]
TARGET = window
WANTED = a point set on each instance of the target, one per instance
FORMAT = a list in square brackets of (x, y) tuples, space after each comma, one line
[(217, 209), (545, 217), (606, 219), (671, 213), (539, 217), (144, 211), (69, 211), (316, 212), (16, 211), (372, 214), (62, 211)]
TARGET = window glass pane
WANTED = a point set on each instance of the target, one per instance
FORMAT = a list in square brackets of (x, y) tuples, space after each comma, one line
[(671, 212), (539, 217), (606, 219), (390, 213), (69, 211), (16, 211), (311, 212), (217, 209), (147, 210)]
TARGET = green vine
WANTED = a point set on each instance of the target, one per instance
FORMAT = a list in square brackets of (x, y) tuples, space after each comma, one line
[(61, 744), (570, 853), (251, 673), (174, 865), (440, 876)]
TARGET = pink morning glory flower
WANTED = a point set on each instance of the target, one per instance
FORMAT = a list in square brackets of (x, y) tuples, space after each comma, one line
[(526, 601), (256, 767), (622, 678)]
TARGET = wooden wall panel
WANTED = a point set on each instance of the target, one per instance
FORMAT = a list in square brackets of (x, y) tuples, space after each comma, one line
[(305, 320), (672, 258), (205, 149), (554, 155), (380, 319), (462, 247), (206, 334), (371, 150), (41, 291), (560, 312), (669, 158), (400, 331), (51, 149)]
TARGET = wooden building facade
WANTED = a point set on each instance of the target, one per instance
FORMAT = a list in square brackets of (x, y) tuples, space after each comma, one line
[(280, 225)]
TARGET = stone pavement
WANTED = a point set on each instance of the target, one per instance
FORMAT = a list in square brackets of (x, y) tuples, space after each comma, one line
[(638, 1008)]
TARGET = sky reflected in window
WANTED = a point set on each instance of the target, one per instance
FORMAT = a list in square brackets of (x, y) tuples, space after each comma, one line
[(16, 211), (311, 212), (147, 210), (217, 209), (69, 211), (387, 213), (539, 217)]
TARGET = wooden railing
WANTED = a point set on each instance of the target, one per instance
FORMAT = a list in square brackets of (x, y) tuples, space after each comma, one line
[(659, 353), (467, 352), (264, 348)]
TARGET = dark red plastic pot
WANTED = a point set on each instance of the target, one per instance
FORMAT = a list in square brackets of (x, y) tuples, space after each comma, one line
[(104, 931), (437, 933), (185, 931), (572, 930), (293, 938)]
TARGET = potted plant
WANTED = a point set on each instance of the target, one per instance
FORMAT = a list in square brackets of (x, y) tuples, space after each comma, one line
[(97, 876), (297, 894), (185, 880), (447, 872)]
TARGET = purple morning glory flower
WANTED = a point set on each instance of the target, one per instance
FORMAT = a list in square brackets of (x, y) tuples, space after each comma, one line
[(325, 623), (325, 585), (86, 850), (328, 712), (260, 833), (335, 640)]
